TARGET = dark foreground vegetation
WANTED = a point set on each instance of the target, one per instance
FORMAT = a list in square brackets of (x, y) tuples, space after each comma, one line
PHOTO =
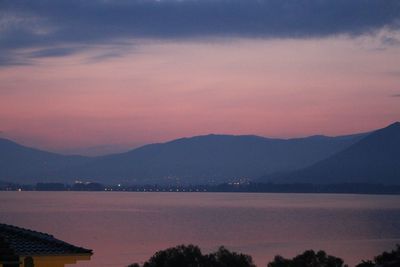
[(386, 259), (191, 256)]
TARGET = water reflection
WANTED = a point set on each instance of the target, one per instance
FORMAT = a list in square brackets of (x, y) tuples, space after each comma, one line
[(129, 227)]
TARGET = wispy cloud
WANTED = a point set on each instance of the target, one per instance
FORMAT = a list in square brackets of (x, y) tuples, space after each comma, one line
[(104, 56), (395, 95), (54, 52), (13, 59), (391, 41), (44, 23)]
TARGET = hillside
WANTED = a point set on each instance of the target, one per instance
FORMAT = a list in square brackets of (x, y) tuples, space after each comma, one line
[(373, 159), (210, 159), (25, 165), (205, 159)]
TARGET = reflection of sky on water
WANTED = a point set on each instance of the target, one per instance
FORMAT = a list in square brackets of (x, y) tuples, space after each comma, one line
[(127, 227)]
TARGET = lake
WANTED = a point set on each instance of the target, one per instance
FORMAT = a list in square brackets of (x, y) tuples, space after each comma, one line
[(123, 228)]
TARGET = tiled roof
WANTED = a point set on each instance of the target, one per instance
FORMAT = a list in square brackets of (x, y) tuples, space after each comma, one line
[(24, 242)]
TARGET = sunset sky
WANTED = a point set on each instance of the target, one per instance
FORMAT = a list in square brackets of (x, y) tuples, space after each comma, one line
[(102, 76)]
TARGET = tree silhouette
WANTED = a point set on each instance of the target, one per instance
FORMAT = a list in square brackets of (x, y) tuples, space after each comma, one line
[(366, 264), (226, 258), (191, 256), (308, 259), (386, 259)]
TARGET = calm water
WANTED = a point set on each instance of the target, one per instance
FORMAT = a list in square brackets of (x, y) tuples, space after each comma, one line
[(123, 228)]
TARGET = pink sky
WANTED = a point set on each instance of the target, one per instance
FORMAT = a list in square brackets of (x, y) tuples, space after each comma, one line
[(158, 91)]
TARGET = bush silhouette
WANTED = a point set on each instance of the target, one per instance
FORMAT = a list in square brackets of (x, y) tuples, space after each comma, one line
[(226, 258), (366, 264), (386, 259), (191, 256), (308, 259)]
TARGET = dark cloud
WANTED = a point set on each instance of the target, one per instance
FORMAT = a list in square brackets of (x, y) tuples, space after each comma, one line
[(54, 52), (45, 23), (395, 95), (12, 59), (104, 56), (390, 41)]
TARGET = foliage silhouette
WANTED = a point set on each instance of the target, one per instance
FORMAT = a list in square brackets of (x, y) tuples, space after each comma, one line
[(225, 258), (308, 259), (191, 256), (366, 264), (386, 259)]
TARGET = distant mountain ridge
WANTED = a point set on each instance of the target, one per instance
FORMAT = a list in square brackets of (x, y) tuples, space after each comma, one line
[(196, 160), (24, 164), (373, 159)]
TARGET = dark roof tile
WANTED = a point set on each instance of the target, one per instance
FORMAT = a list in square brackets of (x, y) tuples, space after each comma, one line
[(27, 242)]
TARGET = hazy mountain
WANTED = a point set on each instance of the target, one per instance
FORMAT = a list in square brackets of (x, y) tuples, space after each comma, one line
[(23, 164), (210, 159), (373, 159), (200, 159)]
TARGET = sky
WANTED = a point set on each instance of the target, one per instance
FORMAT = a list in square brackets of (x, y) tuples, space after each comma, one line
[(101, 76)]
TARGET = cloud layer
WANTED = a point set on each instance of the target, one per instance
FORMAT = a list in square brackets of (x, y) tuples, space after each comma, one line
[(28, 24)]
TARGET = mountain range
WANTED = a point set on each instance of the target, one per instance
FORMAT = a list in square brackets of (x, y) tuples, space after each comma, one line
[(24, 164), (211, 159), (373, 159)]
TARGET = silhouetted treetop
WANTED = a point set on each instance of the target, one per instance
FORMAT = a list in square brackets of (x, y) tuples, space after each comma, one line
[(308, 259), (225, 258), (191, 256), (386, 259)]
